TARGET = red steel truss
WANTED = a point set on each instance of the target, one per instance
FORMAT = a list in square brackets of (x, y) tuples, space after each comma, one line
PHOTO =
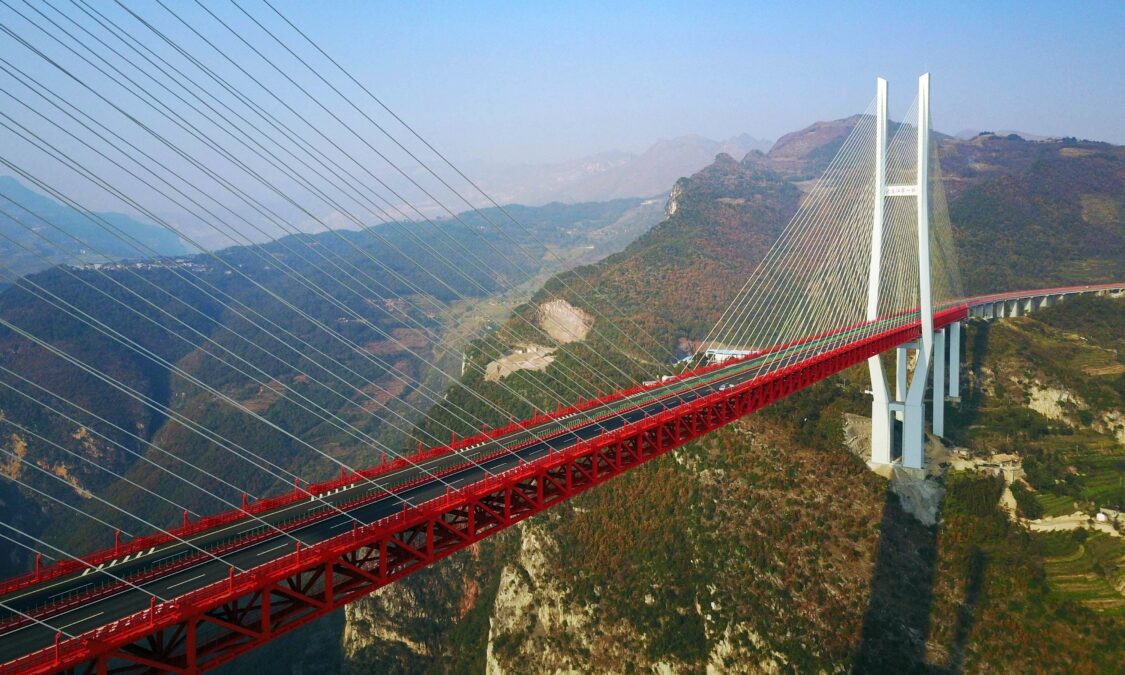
[(216, 623)]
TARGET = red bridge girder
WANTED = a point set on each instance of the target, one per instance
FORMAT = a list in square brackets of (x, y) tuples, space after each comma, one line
[(216, 623)]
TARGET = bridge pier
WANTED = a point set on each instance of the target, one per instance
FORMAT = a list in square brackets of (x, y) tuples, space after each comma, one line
[(882, 425), (955, 360), (913, 404), (902, 355), (913, 435), (938, 424)]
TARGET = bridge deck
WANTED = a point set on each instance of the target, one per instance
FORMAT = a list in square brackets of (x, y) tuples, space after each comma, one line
[(391, 501)]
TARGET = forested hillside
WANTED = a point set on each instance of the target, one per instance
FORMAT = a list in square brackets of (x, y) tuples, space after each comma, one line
[(770, 545), (1036, 213), (222, 339)]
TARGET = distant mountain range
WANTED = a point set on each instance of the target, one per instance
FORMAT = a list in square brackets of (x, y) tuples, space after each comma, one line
[(607, 175), (37, 232)]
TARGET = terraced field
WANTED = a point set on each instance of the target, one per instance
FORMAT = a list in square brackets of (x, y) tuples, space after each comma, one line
[(1100, 478), (1091, 572), (1055, 505)]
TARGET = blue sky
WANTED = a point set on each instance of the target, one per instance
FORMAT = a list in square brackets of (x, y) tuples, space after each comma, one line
[(517, 82), (551, 80)]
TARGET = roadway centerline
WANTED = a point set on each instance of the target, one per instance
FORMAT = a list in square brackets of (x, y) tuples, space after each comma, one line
[(271, 550), (92, 616), (186, 581)]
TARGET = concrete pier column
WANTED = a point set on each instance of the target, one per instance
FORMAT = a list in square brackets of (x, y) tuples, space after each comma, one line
[(939, 383), (955, 360), (913, 435), (900, 377), (882, 431)]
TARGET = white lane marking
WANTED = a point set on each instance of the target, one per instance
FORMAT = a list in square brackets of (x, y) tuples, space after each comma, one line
[(186, 581), (272, 549), (92, 616), (343, 524), (85, 571)]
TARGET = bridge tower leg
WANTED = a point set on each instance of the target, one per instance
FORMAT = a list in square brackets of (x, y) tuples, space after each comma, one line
[(913, 431), (882, 423)]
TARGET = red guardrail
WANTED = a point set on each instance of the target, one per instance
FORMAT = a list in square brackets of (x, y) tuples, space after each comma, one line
[(62, 568), (143, 622)]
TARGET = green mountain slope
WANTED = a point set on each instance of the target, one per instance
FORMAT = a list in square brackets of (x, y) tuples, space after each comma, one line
[(770, 545), (236, 306), (1058, 221)]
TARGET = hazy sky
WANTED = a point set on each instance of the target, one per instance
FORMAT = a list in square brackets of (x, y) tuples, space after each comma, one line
[(517, 82), (552, 80)]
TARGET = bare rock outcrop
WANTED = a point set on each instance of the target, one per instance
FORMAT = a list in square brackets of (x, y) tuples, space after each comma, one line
[(563, 321)]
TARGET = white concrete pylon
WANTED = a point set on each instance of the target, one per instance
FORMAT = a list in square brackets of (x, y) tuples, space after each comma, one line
[(908, 405), (882, 430)]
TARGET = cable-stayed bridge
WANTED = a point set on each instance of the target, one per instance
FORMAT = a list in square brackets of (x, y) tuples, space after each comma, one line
[(865, 268)]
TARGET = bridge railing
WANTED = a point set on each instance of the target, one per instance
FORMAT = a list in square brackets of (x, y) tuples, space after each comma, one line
[(139, 624), (255, 507)]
